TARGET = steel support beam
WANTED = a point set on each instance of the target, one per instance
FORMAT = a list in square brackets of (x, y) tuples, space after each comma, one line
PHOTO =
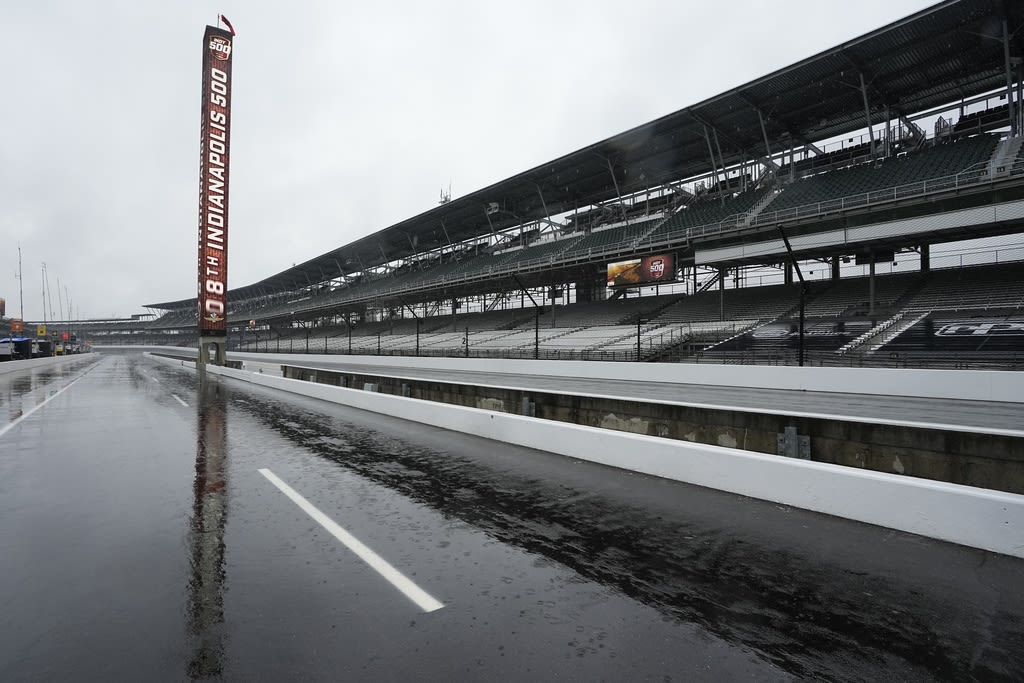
[(911, 125), (1009, 79), (537, 310), (808, 144), (767, 148), (544, 205), (767, 161), (615, 181), (711, 154), (488, 217), (888, 132), (721, 159), (867, 112), (803, 288)]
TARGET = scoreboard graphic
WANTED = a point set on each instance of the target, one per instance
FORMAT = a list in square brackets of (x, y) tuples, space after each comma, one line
[(648, 270)]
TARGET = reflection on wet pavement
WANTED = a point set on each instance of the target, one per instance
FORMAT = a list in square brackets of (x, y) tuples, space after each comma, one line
[(811, 613), (206, 535)]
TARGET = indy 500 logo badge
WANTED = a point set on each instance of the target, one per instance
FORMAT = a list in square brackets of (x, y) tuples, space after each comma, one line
[(221, 47)]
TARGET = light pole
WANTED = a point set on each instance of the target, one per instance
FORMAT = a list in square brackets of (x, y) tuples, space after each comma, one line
[(639, 321), (21, 286)]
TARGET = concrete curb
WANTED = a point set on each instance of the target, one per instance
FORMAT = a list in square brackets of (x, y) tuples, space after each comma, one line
[(28, 365), (965, 385)]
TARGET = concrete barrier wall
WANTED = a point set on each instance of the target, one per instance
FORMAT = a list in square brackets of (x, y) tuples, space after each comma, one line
[(969, 385), (980, 518), (28, 365), (973, 385)]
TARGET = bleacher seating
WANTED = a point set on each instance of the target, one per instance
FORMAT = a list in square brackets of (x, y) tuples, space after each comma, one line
[(707, 211), (977, 335), (980, 121), (939, 161), (979, 288), (851, 296), (614, 239), (834, 159), (749, 303), (782, 336), (594, 313), (173, 319)]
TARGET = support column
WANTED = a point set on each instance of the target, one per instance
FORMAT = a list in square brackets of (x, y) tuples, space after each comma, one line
[(835, 267), (867, 113), (764, 134), (711, 154), (615, 181), (721, 159), (1009, 80), (926, 258), (214, 344), (722, 274), (871, 287), (888, 133), (787, 273)]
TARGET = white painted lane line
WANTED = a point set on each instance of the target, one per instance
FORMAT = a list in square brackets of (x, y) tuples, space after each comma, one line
[(178, 399), (17, 421), (422, 599)]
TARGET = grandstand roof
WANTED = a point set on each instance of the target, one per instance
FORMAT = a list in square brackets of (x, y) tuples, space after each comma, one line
[(946, 52)]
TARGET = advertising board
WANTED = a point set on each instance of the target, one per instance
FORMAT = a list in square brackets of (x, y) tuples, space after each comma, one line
[(648, 270)]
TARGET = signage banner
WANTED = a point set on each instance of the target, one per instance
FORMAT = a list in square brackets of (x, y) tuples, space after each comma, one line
[(649, 270), (215, 136)]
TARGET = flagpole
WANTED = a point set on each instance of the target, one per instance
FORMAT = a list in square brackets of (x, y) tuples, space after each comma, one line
[(21, 286)]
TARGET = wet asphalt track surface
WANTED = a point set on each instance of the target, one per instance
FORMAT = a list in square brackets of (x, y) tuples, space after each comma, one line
[(140, 542)]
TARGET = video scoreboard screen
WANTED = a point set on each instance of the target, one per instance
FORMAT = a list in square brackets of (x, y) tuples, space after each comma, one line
[(649, 270)]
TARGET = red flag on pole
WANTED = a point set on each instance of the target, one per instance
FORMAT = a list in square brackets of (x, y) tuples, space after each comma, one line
[(228, 24)]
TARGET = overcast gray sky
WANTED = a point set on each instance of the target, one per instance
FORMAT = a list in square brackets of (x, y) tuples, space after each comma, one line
[(348, 117)]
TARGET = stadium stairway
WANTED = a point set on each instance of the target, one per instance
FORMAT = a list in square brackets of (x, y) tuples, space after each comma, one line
[(1004, 155), (749, 330), (896, 331), (898, 306), (760, 206), (872, 334)]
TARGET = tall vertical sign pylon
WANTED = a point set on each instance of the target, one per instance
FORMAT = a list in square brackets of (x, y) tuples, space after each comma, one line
[(214, 163)]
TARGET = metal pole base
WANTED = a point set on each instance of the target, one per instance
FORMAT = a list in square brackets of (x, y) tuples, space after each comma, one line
[(219, 350)]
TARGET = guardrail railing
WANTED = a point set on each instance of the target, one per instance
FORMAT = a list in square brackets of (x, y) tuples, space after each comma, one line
[(974, 175)]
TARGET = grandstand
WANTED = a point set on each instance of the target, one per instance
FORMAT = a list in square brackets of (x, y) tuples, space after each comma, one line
[(897, 141)]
